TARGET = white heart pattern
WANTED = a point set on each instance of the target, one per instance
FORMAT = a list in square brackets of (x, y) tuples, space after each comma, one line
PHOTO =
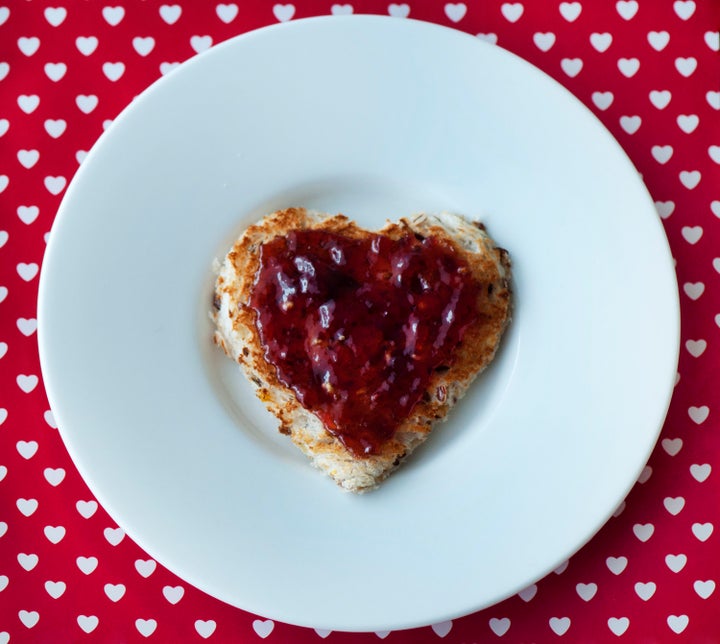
[(27, 383), (490, 37), (665, 208), (630, 124), (173, 593), (49, 418), (690, 178), (88, 623), (674, 505), (227, 12), (143, 45), (28, 45), (658, 39), (205, 628), (512, 11), (86, 44), (643, 531), (285, 12), (570, 10), (54, 534), (114, 592), (145, 567), (455, 11), (27, 159), (87, 565), (113, 15), (702, 531), (146, 627), (544, 41), (688, 122), (686, 66), (559, 625), (86, 103), (684, 8), (113, 71), (694, 290), (170, 13), (442, 628), (660, 98), (704, 588), (322, 632), (263, 627), (27, 562), (55, 185), (55, 588), (645, 590), (526, 594), (29, 618), (678, 623), (54, 476), (27, 270), (662, 153), (676, 562), (571, 66), (627, 9), (28, 103), (55, 71), (394, 10), (616, 565), (166, 68), (672, 445), (628, 66), (696, 347), (341, 10), (55, 127), (586, 591), (27, 449), (700, 472), (28, 214), (55, 15), (692, 234), (499, 625), (618, 625), (712, 40), (601, 42), (114, 535)]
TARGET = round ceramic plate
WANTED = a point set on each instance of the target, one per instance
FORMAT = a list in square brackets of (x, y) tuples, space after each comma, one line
[(377, 118)]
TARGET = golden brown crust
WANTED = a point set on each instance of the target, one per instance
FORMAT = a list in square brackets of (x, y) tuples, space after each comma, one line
[(237, 336)]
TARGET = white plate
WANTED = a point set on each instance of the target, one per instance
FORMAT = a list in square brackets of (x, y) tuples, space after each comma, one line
[(377, 118)]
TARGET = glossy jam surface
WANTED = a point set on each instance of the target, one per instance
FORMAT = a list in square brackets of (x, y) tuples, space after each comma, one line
[(357, 327)]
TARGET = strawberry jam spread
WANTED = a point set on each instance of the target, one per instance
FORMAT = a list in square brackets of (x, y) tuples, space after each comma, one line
[(356, 328)]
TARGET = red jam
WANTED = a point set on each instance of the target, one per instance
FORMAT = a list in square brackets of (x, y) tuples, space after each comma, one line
[(357, 327)]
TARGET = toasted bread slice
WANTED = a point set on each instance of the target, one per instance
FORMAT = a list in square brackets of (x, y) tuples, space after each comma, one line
[(237, 334)]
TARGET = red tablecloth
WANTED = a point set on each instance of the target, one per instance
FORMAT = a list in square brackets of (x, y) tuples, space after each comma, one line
[(650, 71)]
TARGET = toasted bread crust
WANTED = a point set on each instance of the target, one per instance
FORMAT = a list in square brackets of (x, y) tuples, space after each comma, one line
[(237, 335)]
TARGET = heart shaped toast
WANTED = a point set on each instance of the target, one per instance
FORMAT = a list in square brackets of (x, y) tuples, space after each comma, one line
[(359, 342)]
